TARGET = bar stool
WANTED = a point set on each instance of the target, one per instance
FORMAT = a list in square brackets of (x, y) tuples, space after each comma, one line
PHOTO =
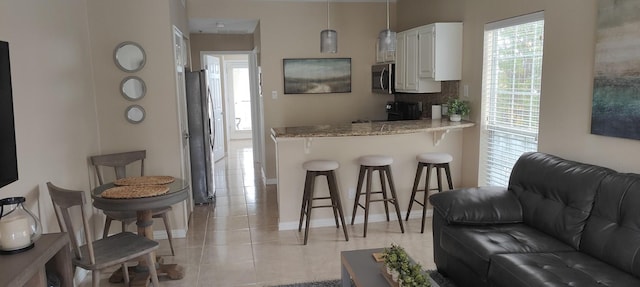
[(369, 164), (316, 168), (431, 160)]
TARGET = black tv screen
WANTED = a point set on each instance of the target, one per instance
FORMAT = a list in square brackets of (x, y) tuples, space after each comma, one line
[(8, 158)]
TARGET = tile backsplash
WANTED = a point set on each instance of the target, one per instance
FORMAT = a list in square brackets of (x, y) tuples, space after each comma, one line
[(450, 89)]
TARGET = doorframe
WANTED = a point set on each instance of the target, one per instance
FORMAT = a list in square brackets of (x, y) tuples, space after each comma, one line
[(218, 133), (185, 166), (257, 115)]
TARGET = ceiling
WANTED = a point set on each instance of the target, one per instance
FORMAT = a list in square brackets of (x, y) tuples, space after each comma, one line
[(222, 26), (242, 26)]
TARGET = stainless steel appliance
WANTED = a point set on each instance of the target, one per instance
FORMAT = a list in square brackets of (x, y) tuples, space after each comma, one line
[(402, 111), (383, 78), (201, 136)]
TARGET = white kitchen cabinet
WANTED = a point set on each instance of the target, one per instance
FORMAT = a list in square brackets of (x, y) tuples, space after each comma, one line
[(401, 39), (440, 51), (429, 54), (411, 52)]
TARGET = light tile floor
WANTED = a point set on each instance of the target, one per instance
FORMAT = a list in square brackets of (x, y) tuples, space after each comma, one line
[(236, 242)]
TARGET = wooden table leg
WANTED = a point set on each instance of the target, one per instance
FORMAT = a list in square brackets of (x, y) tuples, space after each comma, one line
[(140, 275)]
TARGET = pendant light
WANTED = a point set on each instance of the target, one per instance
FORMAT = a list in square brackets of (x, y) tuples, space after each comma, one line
[(387, 38), (328, 38)]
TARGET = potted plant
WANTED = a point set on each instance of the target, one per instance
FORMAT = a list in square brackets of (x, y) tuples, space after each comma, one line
[(458, 109), (395, 258), (413, 276)]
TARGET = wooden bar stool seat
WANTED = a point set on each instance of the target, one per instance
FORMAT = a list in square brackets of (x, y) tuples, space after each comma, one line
[(429, 160), (369, 164), (325, 168)]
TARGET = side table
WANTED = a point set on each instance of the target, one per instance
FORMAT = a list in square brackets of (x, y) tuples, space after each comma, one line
[(28, 268)]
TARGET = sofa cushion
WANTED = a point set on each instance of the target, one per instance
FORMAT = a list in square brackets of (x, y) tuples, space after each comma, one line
[(476, 244), (612, 233), (555, 269), (481, 206), (556, 194)]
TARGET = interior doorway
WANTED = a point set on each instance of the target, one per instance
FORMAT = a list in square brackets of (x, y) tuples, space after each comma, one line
[(242, 101)]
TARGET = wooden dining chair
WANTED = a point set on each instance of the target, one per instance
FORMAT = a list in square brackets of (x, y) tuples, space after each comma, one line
[(119, 162), (102, 253)]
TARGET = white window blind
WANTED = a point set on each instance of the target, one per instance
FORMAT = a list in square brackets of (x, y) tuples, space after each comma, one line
[(511, 93)]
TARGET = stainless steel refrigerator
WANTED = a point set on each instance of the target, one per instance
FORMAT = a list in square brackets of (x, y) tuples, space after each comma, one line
[(201, 136)]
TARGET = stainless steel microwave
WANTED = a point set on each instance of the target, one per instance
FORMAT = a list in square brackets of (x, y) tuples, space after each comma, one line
[(383, 78)]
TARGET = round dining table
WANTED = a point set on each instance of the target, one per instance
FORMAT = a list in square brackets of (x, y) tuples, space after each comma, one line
[(178, 191)]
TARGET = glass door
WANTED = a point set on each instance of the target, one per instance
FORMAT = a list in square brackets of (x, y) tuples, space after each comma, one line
[(239, 97)]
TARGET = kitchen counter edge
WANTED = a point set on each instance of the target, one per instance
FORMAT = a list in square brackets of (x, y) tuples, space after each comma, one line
[(369, 128)]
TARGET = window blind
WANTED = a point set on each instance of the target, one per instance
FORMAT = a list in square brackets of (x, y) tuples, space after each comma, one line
[(513, 51)]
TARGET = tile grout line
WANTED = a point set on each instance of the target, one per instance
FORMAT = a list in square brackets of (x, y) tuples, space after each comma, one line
[(204, 238)]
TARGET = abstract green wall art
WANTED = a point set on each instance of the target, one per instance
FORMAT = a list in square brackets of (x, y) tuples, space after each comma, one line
[(616, 88)]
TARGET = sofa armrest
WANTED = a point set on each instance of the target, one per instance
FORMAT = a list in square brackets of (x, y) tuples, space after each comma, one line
[(477, 206)]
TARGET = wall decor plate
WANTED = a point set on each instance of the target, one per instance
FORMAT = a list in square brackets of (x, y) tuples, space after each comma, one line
[(129, 56), (133, 88), (134, 114)]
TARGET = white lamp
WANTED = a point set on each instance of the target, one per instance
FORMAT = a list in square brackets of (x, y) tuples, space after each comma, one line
[(328, 38), (387, 38)]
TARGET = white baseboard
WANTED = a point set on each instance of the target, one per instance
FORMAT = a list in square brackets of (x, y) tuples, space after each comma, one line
[(177, 233), (81, 274), (161, 234), (272, 181), (325, 222)]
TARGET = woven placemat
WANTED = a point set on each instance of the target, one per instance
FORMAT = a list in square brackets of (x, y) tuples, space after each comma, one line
[(145, 180), (135, 191)]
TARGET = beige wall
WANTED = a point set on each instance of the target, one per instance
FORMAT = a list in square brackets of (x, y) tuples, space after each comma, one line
[(256, 40), (53, 99), (115, 21), (178, 13), (218, 42), (66, 91), (565, 111), (414, 13), (292, 30)]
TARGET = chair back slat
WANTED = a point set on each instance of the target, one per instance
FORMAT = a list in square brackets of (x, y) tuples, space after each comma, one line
[(119, 162), (63, 200), (87, 234)]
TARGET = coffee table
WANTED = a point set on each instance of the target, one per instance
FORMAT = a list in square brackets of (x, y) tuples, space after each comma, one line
[(362, 268)]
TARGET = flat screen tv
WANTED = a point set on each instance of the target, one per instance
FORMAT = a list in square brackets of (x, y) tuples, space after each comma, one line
[(8, 158)]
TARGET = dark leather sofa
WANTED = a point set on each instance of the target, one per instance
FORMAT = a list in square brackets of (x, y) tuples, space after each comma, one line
[(559, 223)]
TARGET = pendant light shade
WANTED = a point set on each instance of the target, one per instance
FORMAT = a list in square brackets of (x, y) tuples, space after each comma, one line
[(387, 38), (328, 38), (387, 41), (328, 41)]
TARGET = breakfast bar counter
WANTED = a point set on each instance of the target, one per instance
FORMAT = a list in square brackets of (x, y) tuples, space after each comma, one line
[(370, 128), (344, 143)]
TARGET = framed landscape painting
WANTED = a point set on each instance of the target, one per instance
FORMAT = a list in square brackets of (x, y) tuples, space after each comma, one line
[(317, 76), (616, 87)]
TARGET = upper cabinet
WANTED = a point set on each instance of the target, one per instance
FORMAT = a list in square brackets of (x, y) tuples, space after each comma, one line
[(427, 55)]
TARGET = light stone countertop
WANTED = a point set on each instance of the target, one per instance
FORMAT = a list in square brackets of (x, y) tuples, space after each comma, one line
[(369, 128)]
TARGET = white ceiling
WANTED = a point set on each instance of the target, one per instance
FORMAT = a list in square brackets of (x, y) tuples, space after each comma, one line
[(222, 26), (243, 26)]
